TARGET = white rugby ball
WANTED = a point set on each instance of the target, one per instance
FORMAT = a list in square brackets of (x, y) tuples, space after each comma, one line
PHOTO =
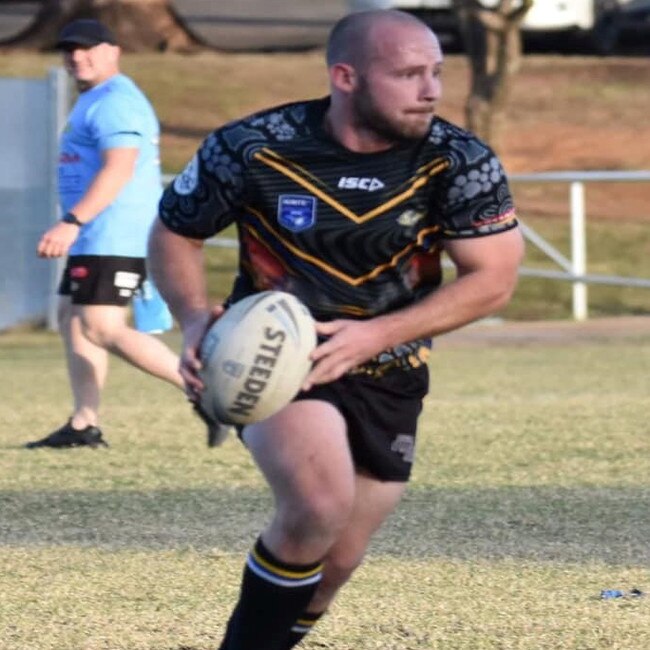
[(256, 357)]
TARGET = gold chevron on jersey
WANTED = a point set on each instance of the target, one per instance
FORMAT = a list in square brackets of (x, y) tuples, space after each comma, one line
[(329, 269), (317, 188)]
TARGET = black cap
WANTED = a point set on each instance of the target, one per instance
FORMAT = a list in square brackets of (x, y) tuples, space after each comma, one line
[(84, 32)]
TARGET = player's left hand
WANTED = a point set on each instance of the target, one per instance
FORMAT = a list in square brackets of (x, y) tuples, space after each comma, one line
[(350, 343), (56, 241)]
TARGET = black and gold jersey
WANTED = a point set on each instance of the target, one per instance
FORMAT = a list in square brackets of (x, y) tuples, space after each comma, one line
[(351, 234)]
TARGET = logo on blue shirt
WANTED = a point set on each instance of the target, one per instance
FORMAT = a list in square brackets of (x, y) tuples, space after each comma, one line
[(296, 212)]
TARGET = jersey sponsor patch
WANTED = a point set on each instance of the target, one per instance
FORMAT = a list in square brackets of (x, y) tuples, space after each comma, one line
[(79, 272), (70, 179), (410, 217), (404, 445), (296, 212), (185, 183), (126, 280)]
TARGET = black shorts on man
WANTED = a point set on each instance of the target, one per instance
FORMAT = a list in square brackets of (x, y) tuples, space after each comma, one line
[(381, 415), (102, 279)]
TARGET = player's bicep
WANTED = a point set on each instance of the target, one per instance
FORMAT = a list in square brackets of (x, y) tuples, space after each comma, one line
[(121, 159), (203, 199), (500, 252)]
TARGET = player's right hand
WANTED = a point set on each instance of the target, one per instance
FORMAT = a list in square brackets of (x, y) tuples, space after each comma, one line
[(56, 241), (194, 332)]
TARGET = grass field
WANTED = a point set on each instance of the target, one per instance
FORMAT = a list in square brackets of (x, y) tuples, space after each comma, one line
[(531, 486), (530, 495)]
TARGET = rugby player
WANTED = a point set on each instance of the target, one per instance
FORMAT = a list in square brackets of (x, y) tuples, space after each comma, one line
[(347, 202)]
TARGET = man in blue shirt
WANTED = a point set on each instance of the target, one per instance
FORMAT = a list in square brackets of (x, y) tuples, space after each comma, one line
[(109, 188)]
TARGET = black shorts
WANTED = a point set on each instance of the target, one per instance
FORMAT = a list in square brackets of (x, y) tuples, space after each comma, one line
[(381, 414), (102, 279)]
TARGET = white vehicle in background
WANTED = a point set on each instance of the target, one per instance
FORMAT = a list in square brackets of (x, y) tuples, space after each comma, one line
[(601, 22)]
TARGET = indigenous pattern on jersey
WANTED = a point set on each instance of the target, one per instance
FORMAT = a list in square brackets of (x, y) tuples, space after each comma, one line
[(352, 235)]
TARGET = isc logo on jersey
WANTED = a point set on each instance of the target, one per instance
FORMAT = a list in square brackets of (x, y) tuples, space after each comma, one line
[(357, 183)]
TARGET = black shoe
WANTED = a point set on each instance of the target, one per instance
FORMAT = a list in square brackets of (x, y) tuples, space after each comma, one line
[(67, 436), (217, 431)]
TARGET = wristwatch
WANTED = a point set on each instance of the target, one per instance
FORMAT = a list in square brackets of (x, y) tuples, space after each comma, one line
[(70, 217)]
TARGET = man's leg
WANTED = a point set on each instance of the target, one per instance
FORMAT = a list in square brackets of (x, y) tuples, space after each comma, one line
[(374, 501), (106, 326), (90, 332), (87, 366), (304, 455)]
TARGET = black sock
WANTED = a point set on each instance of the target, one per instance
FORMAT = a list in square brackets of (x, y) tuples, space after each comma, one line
[(272, 597), (301, 628)]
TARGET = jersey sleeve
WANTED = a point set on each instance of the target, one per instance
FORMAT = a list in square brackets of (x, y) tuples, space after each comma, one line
[(117, 122), (475, 198), (207, 195)]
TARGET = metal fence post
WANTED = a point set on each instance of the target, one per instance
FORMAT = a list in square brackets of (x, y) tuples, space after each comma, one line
[(578, 249), (59, 107)]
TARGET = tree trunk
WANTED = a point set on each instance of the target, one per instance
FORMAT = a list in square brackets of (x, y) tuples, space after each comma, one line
[(493, 43), (139, 25)]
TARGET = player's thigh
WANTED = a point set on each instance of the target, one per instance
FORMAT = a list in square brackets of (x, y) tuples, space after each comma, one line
[(374, 501), (303, 451), (102, 323)]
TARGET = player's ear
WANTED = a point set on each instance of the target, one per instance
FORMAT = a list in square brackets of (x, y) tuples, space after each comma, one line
[(343, 77)]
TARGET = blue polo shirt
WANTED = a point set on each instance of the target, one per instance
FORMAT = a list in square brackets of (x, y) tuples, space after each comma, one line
[(111, 115)]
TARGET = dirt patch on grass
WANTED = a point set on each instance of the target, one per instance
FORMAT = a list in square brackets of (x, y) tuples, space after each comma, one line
[(549, 332), (578, 113)]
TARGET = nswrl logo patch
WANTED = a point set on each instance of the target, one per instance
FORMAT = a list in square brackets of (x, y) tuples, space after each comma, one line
[(296, 212)]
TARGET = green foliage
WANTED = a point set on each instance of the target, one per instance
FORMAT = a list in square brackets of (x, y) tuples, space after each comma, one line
[(529, 496)]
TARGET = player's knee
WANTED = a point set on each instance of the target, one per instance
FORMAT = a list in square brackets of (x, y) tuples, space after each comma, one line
[(328, 512), (99, 333), (321, 515), (338, 569)]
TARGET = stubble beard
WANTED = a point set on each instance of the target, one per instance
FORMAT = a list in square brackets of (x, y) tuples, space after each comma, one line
[(370, 118)]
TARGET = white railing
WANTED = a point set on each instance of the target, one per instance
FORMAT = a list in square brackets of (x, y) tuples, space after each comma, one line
[(573, 269)]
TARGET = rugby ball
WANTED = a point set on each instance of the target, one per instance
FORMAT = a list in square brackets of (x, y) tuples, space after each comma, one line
[(255, 357)]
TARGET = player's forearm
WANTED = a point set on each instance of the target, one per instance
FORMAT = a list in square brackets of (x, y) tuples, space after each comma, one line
[(487, 271), (104, 189), (117, 170), (468, 298), (176, 265)]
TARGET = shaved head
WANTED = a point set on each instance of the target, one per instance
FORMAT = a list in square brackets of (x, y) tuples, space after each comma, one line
[(351, 39), (384, 68)]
